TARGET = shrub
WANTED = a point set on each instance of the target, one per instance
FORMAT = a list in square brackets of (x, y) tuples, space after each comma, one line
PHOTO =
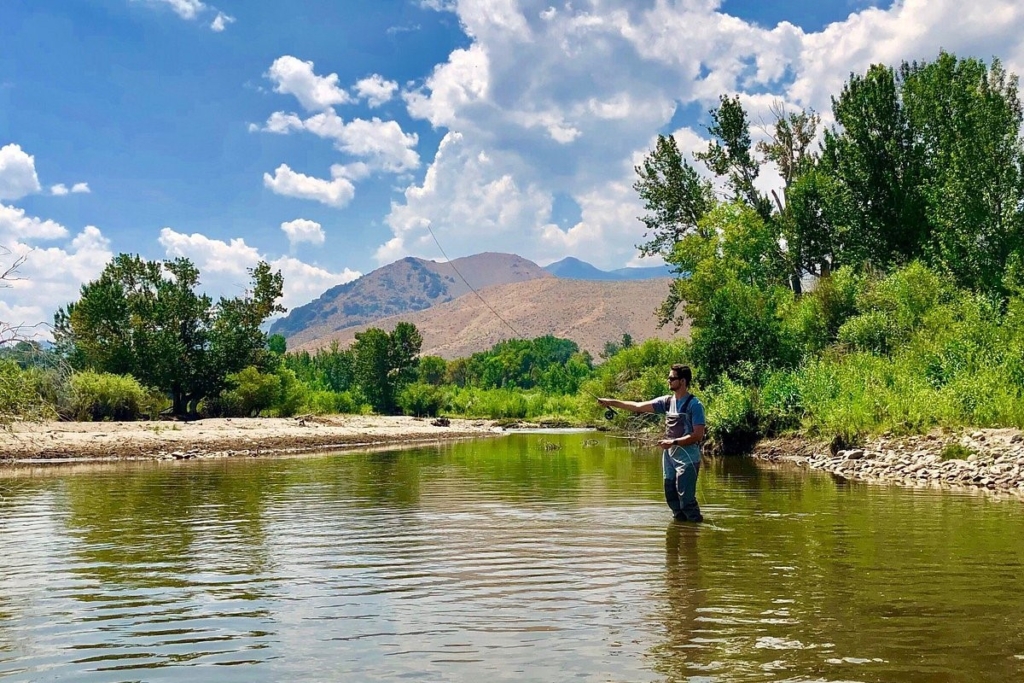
[(100, 396), (20, 395), (730, 415), (779, 407), (292, 393), (333, 403), (421, 400), (251, 392)]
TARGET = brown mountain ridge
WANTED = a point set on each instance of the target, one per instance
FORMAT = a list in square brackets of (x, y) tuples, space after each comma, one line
[(586, 311), (402, 287)]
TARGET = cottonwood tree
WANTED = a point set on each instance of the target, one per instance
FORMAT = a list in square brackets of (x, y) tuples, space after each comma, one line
[(146, 319), (383, 363)]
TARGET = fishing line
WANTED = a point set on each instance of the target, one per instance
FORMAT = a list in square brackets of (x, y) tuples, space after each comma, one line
[(608, 414)]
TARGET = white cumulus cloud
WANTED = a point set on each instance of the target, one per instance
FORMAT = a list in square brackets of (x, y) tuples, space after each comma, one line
[(80, 188), (302, 230), (376, 90), (51, 276), (17, 173), (603, 78), (224, 267), (292, 76), (59, 190), (15, 225), (336, 192), (384, 144)]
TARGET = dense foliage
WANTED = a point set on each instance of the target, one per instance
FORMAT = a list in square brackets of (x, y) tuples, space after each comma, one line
[(908, 225), (145, 319)]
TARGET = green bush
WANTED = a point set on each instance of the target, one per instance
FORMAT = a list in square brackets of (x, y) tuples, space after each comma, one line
[(333, 403), (23, 393), (729, 411), (251, 393), (292, 393), (779, 407), (421, 400), (97, 396)]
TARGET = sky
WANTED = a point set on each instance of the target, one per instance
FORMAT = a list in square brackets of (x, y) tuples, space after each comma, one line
[(331, 137)]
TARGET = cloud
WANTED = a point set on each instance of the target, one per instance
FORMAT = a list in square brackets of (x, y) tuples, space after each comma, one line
[(384, 143), (466, 194), (292, 76), (220, 22), (186, 9), (603, 79), (376, 90), (191, 10), (61, 190), (50, 277), (17, 173), (302, 230), (16, 226), (336, 192), (224, 267)]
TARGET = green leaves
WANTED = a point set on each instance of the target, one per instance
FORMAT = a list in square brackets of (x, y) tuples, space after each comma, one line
[(146, 319), (675, 197), (384, 363)]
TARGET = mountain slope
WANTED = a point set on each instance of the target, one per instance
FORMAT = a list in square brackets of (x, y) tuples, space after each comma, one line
[(588, 312), (408, 285)]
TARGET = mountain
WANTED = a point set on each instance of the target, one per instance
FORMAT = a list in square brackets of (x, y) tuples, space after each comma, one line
[(575, 269), (588, 312), (405, 286)]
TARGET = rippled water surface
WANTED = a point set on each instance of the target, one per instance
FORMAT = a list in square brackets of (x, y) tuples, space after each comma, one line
[(530, 557)]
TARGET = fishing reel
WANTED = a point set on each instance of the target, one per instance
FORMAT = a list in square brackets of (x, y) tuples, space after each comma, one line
[(609, 414)]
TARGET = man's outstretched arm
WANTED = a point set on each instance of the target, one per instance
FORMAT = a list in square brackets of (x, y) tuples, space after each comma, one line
[(632, 406)]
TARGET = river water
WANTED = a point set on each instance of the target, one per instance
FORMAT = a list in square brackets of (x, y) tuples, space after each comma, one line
[(531, 557)]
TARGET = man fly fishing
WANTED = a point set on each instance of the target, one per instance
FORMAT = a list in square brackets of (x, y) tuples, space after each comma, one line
[(684, 431)]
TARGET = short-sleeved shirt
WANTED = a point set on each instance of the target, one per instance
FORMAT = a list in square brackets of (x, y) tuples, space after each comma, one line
[(681, 416)]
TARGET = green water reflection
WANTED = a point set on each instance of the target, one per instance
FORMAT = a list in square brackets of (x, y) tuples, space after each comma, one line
[(527, 557)]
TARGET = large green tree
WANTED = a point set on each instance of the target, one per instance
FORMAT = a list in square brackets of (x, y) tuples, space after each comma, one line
[(146, 319), (383, 363), (926, 161)]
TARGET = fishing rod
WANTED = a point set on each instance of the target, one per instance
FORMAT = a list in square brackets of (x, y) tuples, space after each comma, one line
[(609, 414)]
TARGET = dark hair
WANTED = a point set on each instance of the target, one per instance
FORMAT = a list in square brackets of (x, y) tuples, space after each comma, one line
[(683, 372)]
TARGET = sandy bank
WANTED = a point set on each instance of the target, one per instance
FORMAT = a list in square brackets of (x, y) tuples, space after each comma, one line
[(987, 459), (73, 441)]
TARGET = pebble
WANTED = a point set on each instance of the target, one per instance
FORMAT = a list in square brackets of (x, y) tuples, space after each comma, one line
[(917, 461)]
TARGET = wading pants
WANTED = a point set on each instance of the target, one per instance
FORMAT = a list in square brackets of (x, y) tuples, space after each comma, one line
[(681, 493)]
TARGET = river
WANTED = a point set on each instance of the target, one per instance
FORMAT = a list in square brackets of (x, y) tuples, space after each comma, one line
[(531, 557)]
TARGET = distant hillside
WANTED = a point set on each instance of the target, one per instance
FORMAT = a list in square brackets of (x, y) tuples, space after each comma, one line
[(405, 286), (573, 268), (588, 312)]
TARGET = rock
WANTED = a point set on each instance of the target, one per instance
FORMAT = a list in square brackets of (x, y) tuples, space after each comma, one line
[(855, 454), (1017, 438)]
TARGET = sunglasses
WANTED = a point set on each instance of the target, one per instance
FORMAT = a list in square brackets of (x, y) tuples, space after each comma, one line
[(673, 379)]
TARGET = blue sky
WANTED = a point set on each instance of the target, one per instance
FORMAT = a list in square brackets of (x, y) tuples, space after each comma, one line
[(326, 136)]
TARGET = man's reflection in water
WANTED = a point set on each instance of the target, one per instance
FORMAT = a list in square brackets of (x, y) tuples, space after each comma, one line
[(679, 657)]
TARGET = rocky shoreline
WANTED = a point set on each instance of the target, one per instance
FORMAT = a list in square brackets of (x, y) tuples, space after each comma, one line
[(987, 459)]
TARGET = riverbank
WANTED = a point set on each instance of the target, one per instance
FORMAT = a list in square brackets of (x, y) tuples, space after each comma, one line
[(223, 437), (986, 459)]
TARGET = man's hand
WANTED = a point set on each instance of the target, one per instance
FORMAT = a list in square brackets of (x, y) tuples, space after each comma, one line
[(667, 443)]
